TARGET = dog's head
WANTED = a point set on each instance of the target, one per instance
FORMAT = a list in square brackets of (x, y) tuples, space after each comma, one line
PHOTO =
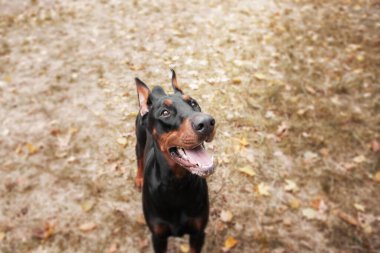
[(178, 127)]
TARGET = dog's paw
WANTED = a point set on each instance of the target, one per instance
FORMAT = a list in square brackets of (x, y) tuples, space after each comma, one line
[(139, 181)]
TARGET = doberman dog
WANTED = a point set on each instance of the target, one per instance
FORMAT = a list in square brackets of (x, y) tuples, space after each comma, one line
[(172, 164)]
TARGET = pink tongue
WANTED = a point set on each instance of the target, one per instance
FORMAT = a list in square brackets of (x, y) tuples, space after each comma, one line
[(199, 155)]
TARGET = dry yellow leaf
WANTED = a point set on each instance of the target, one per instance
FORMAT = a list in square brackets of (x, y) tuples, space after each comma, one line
[(377, 177), (31, 148), (243, 142), (122, 141), (229, 243), (184, 248), (7, 78), (309, 213), (291, 186), (86, 227), (248, 171), (88, 205), (260, 76), (294, 203), (263, 189), (2, 235), (359, 159), (73, 130), (360, 58), (359, 207), (226, 215)]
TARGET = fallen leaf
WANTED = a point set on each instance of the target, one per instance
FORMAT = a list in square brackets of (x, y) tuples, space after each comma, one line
[(2, 235), (236, 80), (377, 177), (229, 243), (31, 148), (88, 205), (260, 76), (282, 129), (248, 171), (309, 213), (140, 219), (73, 130), (359, 159), (43, 233), (122, 141), (324, 152), (226, 215), (143, 243), (375, 146), (360, 58), (243, 142), (287, 222), (294, 203), (112, 248), (263, 189), (291, 186), (359, 207), (7, 78), (347, 218), (88, 226), (184, 248), (310, 157), (319, 204)]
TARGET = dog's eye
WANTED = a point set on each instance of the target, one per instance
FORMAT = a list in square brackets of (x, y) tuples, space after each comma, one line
[(193, 104), (165, 113)]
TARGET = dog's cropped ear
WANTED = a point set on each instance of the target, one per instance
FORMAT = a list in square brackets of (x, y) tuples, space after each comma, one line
[(143, 93), (174, 83)]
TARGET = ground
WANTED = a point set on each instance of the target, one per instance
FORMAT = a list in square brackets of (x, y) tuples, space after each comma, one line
[(294, 87)]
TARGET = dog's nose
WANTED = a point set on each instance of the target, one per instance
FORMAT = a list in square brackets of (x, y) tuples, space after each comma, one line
[(203, 123)]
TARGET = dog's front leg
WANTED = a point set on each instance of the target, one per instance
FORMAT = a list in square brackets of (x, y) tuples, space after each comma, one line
[(160, 243), (196, 242)]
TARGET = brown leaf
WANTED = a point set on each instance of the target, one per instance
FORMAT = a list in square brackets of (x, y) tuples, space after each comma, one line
[(88, 226), (140, 219), (282, 130), (43, 233), (112, 248), (375, 146), (236, 80), (347, 218), (2, 235)]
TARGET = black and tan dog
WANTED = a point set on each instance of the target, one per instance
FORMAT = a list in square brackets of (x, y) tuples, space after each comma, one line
[(172, 163)]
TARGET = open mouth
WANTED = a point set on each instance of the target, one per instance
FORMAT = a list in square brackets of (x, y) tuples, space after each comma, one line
[(196, 160)]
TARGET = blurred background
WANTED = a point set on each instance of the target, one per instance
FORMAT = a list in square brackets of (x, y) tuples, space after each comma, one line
[(294, 87)]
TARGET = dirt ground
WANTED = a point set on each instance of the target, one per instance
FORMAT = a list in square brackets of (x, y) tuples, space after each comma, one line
[(294, 87)]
